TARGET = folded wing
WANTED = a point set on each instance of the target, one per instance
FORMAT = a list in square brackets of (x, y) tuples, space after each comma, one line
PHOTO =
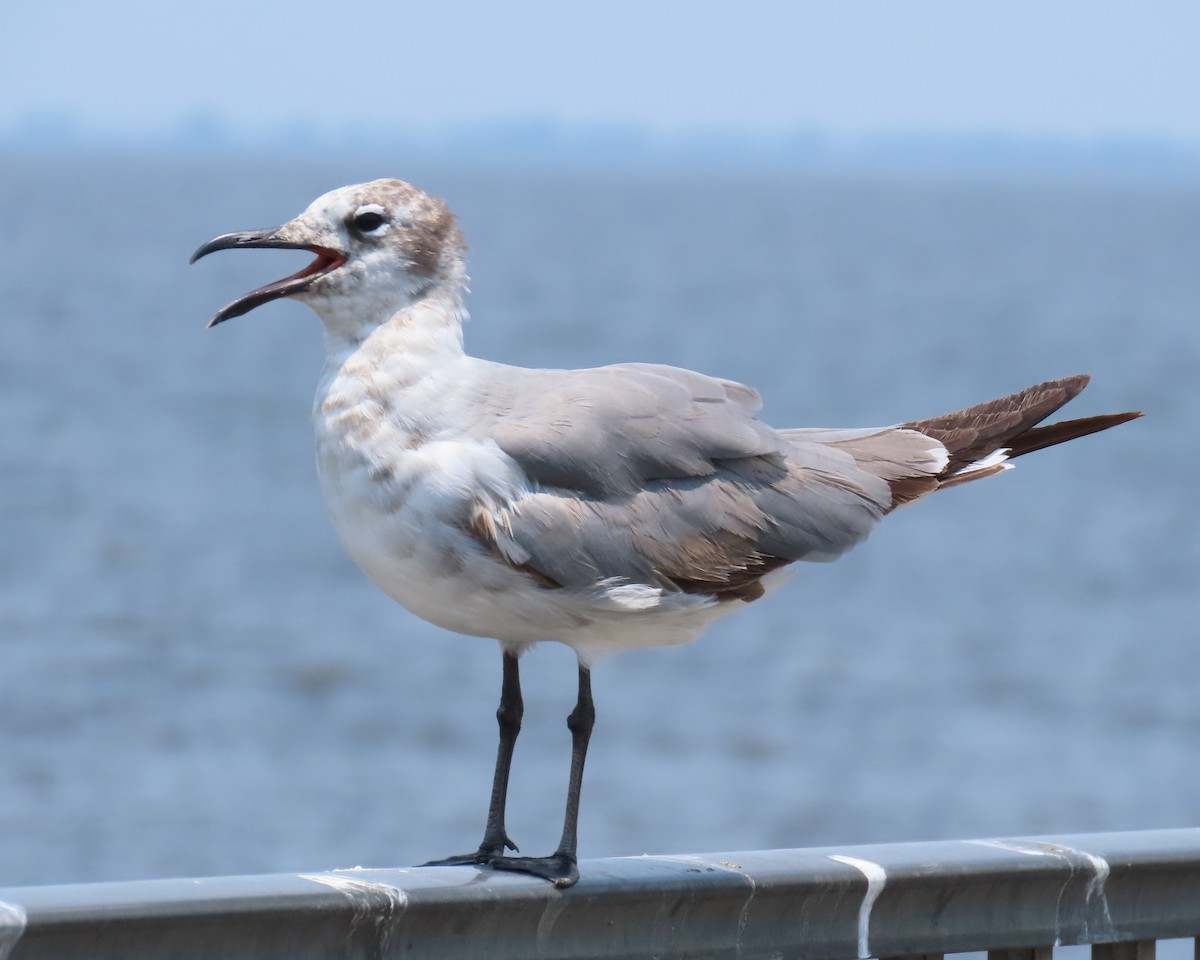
[(651, 475)]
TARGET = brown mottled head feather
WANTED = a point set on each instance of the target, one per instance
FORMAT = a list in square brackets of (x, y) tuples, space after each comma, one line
[(429, 237), (435, 235)]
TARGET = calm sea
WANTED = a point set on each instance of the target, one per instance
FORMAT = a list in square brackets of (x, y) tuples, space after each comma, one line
[(195, 680)]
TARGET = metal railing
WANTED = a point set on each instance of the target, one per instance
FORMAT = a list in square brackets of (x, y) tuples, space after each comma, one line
[(1016, 898)]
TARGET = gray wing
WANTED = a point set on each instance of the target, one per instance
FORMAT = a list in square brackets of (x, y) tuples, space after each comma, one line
[(610, 430), (654, 475)]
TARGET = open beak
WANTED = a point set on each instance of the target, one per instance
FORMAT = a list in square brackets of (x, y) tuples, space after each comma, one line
[(327, 261)]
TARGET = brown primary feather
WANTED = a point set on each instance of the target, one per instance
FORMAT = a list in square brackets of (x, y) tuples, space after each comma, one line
[(907, 489), (1047, 436), (1011, 423), (971, 434)]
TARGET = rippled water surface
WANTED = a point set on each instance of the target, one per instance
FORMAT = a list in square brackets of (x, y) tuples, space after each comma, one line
[(196, 680)]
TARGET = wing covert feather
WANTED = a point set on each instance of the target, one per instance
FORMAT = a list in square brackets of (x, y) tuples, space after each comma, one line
[(610, 430), (654, 475)]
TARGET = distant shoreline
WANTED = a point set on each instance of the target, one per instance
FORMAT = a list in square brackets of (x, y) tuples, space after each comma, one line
[(537, 144)]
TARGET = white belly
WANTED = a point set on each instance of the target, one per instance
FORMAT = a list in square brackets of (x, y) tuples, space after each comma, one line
[(400, 502), (402, 540)]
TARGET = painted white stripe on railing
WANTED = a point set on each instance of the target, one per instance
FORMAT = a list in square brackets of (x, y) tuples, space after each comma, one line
[(12, 926), (876, 880)]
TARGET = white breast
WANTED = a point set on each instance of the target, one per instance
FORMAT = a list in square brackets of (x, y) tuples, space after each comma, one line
[(402, 467)]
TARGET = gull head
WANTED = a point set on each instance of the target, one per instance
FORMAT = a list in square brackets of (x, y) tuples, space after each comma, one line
[(380, 248)]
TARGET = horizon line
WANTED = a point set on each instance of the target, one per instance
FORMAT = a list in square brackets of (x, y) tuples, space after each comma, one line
[(800, 147)]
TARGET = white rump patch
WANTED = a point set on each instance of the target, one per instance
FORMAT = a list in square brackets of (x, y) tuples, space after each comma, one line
[(940, 456), (995, 459)]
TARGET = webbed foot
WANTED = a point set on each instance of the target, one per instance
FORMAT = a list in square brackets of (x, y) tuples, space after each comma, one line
[(559, 868), (486, 854)]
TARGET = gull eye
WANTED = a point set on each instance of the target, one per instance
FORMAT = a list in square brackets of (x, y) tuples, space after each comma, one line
[(368, 218)]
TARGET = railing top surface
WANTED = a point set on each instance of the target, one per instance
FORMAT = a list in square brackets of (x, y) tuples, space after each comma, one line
[(825, 903)]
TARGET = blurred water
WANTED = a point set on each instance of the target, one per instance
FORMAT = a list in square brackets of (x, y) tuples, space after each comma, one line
[(195, 679)]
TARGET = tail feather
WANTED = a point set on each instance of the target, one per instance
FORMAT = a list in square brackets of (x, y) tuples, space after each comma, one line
[(1037, 438), (1010, 424)]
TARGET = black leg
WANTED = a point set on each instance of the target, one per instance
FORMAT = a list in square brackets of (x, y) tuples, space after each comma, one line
[(560, 867), (508, 715)]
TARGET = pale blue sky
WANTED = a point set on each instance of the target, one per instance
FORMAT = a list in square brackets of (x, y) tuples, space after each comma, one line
[(1057, 67)]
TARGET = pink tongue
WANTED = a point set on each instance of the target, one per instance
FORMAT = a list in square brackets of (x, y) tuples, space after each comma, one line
[(323, 260), (326, 260)]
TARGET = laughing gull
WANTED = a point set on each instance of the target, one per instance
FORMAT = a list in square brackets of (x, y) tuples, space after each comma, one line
[(611, 508)]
